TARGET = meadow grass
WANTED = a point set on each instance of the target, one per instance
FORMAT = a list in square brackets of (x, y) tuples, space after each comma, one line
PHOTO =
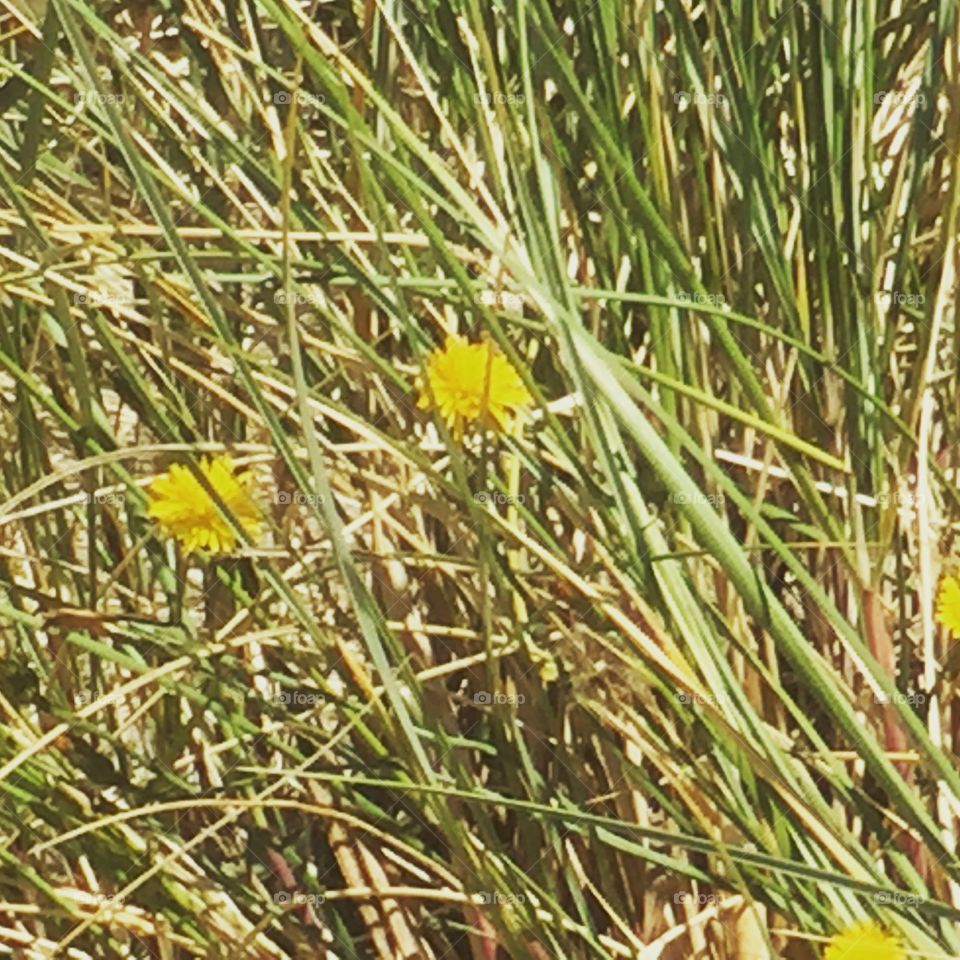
[(657, 672)]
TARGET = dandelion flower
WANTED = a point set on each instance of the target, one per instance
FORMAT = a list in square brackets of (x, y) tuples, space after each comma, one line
[(864, 941), (184, 509), (473, 382), (948, 604)]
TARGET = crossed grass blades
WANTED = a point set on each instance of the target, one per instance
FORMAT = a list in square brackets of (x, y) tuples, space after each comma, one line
[(478, 480)]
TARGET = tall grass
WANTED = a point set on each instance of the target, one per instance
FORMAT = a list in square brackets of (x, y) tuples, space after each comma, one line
[(659, 677)]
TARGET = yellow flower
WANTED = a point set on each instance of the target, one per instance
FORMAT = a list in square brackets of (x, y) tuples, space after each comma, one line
[(179, 503), (864, 941), (473, 382), (948, 604)]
